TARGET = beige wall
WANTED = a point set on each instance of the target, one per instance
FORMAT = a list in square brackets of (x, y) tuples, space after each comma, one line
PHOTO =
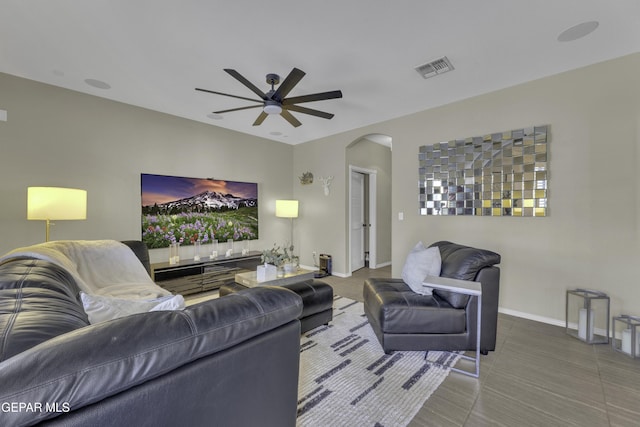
[(590, 239), (320, 226), (57, 137)]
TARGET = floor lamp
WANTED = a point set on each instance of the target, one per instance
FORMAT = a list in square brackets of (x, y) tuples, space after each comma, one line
[(287, 209), (55, 203)]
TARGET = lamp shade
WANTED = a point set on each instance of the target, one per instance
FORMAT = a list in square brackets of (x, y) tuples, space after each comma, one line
[(287, 208), (45, 203)]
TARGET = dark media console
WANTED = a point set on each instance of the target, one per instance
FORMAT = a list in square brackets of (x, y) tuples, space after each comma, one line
[(191, 277)]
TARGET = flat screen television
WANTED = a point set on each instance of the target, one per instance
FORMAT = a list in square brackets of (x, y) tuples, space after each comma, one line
[(185, 210)]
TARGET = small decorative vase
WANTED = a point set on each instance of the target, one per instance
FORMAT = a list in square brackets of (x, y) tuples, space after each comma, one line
[(266, 272)]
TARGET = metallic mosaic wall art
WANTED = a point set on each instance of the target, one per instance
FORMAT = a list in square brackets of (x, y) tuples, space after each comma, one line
[(502, 174)]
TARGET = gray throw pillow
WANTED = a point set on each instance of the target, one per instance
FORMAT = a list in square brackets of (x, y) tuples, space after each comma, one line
[(421, 262)]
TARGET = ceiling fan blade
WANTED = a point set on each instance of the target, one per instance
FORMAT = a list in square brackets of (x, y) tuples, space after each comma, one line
[(236, 75), (309, 111), (237, 109), (226, 94), (313, 97), (285, 87), (260, 118), (289, 117)]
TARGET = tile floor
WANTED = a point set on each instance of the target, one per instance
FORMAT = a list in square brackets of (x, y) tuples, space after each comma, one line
[(538, 376)]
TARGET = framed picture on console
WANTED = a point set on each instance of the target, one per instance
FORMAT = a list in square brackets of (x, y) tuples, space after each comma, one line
[(186, 210)]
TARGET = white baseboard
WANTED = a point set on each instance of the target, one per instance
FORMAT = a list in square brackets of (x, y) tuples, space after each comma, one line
[(343, 275), (333, 273), (383, 264), (548, 320), (533, 317)]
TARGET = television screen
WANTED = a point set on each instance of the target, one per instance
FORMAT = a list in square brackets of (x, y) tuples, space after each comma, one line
[(185, 210)]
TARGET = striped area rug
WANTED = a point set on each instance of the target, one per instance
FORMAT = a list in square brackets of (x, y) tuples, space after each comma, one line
[(347, 380)]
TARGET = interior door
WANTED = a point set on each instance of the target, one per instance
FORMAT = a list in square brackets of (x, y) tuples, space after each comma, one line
[(357, 221)]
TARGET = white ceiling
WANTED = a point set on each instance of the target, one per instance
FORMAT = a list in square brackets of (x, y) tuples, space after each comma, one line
[(153, 53)]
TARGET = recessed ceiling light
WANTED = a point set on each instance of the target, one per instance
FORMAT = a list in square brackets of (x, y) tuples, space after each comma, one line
[(578, 31), (58, 73), (97, 84), (275, 133), (214, 116)]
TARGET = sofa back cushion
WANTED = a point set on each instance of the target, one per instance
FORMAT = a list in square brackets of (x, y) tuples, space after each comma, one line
[(464, 263), (38, 301), (142, 252)]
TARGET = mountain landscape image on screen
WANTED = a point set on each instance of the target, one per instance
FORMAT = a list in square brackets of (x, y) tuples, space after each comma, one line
[(207, 201), (186, 210)]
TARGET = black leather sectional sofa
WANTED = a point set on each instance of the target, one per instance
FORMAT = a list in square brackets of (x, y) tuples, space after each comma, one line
[(216, 363)]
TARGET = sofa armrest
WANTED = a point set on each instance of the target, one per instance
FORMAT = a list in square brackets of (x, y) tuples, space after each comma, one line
[(465, 287), (488, 284), (97, 361), (489, 277)]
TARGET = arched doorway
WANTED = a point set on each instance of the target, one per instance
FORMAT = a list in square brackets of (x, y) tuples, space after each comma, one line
[(369, 202)]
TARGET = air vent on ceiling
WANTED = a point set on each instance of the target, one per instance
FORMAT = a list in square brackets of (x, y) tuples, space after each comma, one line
[(433, 68)]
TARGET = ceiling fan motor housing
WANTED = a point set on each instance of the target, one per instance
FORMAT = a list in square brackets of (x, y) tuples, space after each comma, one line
[(273, 79)]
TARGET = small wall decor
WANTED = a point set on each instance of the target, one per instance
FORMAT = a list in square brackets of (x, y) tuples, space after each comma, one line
[(306, 178), (326, 184), (501, 174)]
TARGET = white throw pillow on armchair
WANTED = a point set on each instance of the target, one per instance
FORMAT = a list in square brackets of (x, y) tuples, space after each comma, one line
[(421, 262)]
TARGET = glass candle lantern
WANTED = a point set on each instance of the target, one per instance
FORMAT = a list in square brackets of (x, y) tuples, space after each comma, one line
[(587, 316), (174, 253), (214, 249), (629, 341), (196, 250)]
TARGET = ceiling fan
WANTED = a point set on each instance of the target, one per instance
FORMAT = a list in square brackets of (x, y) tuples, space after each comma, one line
[(275, 100)]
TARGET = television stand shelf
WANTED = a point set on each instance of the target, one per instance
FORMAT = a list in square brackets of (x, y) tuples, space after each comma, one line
[(192, 277)]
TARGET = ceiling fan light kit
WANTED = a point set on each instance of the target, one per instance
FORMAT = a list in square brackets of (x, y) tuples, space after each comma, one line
[(275, 100), (272, 107)]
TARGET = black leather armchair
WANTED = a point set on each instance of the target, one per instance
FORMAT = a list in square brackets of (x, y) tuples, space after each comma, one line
[(405, 320)]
